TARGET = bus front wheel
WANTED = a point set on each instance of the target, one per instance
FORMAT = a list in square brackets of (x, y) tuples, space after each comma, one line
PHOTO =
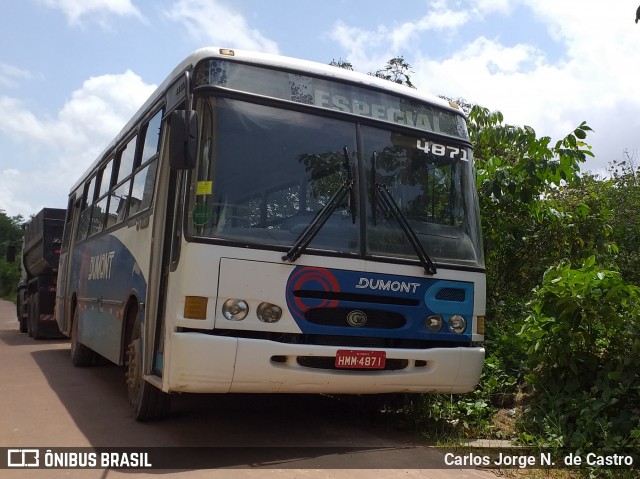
[(148, 401)]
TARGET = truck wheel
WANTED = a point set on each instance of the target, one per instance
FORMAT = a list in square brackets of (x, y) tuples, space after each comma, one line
[(29, 320), (34, 305), (148, 401), (81, 355), (24, 327)]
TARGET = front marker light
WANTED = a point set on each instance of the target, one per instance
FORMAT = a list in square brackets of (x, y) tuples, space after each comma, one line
[(269, 313), (457, 324), (195, 307), (434, 323), (480, 323), (235, 309)]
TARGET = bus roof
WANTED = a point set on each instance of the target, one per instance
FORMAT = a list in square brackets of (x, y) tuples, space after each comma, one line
[(273, 61)]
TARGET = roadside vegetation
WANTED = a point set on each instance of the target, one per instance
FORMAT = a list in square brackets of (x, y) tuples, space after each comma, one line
[(563, 308), (563, 305), (10, 235)]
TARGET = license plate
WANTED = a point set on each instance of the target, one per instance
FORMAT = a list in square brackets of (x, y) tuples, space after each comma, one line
[(351, 359)]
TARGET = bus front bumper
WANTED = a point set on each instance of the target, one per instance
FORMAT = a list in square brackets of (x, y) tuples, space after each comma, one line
[(203, 363)]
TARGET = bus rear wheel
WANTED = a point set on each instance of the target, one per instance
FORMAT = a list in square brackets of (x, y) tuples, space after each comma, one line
[(81, 355), (148, 401)]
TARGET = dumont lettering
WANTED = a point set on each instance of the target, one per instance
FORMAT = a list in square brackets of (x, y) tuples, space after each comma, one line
[(382, 285), (412, 118), (100, 266)]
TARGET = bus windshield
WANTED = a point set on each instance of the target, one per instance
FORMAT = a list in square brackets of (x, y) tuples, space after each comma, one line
[(264, 173)]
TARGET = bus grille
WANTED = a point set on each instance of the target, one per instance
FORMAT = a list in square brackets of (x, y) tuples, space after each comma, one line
[(451, 294), (342, 341), (338, 317)]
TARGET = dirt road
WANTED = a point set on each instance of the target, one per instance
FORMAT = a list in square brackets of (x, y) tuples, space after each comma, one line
[(47, 403)]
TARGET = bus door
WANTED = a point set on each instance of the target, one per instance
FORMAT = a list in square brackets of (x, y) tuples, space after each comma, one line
[(165, 222), (63, 299)]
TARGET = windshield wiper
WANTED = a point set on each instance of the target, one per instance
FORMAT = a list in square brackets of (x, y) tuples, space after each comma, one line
[(325, 213), (381, 192)]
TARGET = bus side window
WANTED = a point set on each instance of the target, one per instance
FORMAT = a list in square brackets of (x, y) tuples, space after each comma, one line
[(99, 209), (85, 216), (145, 178), (119, 194), (105, 187), (152, 138), (126, 159), (105, 182), (118, 203), (68, 223), (142, 191)]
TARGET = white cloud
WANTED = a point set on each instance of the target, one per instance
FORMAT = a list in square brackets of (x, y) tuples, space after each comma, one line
[(76, 9), (18, 122), (212, 23), (440, 18), (362, 46), (594, 79), (12, 195), (590, 72), (375, 47), (62, 148), (485, 7), (10, 76), (516, 80)]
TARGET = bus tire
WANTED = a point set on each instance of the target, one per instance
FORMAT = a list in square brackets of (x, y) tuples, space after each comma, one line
[(81, 355), (148, 402)]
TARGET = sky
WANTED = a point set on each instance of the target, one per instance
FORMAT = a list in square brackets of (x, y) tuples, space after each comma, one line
[(72, 72)]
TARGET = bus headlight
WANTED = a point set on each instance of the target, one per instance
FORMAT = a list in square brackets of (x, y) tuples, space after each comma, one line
[(434, 323), (457, 324), (235, 309), (269, 313)]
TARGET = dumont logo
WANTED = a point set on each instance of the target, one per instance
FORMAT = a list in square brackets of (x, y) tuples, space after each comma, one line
[(100, 266), (382, 285)]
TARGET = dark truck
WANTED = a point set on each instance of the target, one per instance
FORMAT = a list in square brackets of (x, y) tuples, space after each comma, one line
[(39, 263)]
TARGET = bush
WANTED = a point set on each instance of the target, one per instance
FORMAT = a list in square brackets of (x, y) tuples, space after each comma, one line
[(583, 356)]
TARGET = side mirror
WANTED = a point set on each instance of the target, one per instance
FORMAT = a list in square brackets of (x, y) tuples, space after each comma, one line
[(183, 139), (11, 253)]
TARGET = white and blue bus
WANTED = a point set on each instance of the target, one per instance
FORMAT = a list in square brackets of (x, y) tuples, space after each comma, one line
[(270, 225)]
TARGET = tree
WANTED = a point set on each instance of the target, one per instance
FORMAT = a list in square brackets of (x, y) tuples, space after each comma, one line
[(621, 195), (10, 236), (340, 63), (396, 70), (517, 173), (464, 105)]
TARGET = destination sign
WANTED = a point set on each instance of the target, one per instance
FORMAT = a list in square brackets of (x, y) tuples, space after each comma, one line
[(331, 95)]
